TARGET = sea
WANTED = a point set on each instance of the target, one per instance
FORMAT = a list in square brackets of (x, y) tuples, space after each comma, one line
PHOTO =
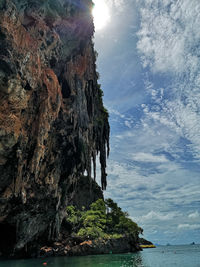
[(162, 256)]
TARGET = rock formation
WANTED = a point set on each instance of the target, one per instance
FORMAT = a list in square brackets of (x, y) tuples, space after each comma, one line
[(52, 120), (76, 247)]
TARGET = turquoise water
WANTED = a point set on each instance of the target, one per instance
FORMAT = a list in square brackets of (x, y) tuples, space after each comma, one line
[(162, 256)]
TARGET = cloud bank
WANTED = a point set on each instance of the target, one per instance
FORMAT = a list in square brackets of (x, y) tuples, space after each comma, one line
[(169, 44), (152, 88)]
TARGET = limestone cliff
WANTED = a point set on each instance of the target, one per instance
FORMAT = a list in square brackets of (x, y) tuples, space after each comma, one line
[(52, 120)]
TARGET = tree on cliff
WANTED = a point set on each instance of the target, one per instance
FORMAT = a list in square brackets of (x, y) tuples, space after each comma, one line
[(94, 220), (119, 222), (104, 219)]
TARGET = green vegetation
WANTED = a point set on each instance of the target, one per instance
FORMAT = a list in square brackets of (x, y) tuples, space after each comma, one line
[(104, 219)]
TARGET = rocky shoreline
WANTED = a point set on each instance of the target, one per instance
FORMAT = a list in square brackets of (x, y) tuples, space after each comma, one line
[(89, 247)]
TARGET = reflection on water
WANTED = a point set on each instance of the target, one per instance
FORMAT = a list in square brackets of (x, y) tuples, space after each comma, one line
[(114, 260), (184, 256)]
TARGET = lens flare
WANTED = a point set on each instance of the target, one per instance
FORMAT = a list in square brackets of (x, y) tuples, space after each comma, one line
[(101, 14)]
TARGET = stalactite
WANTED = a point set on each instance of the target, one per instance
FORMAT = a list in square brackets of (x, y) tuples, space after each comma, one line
[(94, 164), (103, 167), (56, 120)]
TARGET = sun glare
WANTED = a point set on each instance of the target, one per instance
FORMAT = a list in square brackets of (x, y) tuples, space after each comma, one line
[(101, 14)]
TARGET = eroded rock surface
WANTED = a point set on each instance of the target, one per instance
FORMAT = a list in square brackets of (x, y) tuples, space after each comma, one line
[(52, 120), (77, 247)]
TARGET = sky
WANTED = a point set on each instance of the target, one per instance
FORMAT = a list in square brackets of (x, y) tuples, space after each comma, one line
[(149, 65)]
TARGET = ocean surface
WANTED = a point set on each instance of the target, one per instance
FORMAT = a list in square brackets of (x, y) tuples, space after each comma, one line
[(162, 256)]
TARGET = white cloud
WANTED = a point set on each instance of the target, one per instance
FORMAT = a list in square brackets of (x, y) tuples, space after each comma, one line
[(128, 124), (188, 226), (152, 216), (118, 4), (147, 157), (169, 34), (169, 193), (194, 215), (169, 43), (116, 112)]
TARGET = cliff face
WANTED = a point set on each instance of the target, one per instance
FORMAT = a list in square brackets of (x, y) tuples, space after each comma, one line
[(52, 120)]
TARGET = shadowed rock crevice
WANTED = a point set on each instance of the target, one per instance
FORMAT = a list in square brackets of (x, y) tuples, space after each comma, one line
[(53, 124), (8, 238)]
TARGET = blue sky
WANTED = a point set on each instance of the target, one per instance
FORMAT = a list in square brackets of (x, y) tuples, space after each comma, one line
[(149, 65)]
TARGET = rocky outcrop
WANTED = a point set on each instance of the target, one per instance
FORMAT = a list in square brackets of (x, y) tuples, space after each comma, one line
[(85, 193), (145, 243), (115, 246), (52, 120), (78, 247)]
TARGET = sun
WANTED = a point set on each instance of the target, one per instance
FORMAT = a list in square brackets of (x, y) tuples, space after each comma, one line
[(101, 14)]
